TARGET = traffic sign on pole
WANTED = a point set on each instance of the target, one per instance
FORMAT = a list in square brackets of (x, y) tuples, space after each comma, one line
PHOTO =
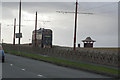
[(18, 35)]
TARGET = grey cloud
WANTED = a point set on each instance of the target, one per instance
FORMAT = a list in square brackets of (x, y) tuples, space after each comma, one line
[(101, 27), (0, 11)]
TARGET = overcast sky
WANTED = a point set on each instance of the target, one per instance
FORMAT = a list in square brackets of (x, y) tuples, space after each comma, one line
[(0, 10), (102, 26)]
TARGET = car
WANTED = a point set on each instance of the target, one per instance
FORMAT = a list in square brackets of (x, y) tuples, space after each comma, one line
[(2, 54)]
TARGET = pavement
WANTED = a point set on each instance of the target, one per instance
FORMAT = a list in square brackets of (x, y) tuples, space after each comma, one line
[(21, 67)]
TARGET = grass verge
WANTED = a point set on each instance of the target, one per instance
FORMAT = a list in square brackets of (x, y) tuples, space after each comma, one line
[(67, 63)]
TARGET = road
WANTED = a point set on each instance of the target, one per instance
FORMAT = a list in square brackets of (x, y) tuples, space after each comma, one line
[(21, 67)]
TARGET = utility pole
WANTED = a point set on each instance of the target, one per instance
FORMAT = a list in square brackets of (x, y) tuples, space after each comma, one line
[(19, 22), (35, 29), (14, 31), (2, 41), (75, 26), (75, 29)]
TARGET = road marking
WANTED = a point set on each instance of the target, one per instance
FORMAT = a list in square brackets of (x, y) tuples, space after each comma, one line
[(40, 75), (23, 69), (11, 64)]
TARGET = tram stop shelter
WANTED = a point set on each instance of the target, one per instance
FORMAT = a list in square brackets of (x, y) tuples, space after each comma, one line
[(88, 42)]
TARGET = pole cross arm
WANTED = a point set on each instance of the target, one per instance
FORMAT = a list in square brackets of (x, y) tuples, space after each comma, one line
[(16, 25), (64, 12), (37, 20)]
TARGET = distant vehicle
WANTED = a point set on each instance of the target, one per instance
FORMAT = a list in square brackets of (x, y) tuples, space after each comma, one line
[(2, 54), (43, 38)]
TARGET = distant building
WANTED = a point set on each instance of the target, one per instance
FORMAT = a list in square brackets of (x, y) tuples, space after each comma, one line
[(88, 42), (43, 38)]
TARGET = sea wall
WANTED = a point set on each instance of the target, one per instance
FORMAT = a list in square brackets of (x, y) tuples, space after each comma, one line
[(100, 56)]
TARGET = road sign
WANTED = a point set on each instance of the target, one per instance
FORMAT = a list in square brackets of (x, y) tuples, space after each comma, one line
[(18, 35)]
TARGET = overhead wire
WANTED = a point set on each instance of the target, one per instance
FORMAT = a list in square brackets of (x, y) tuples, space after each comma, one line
[(98, 7), (102, 6), (89, 9)]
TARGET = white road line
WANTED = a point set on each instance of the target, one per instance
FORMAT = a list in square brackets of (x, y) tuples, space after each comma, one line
[(40, 75), (23, 69), (11, 64)]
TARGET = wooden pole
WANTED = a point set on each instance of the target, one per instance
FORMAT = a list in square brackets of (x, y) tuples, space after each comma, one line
[(19, 22), (35, 29), (75, 26), (14, 31)]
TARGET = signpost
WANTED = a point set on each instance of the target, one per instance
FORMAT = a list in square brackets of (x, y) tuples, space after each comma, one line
[(18, 35)]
